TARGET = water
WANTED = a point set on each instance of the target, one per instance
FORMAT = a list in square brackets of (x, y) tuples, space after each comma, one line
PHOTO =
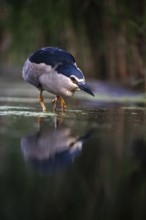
[(87, 163)]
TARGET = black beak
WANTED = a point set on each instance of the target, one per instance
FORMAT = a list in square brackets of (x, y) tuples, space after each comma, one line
[(85, 88)]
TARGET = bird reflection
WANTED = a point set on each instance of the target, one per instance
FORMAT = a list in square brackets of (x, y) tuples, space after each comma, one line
[(50, 150)]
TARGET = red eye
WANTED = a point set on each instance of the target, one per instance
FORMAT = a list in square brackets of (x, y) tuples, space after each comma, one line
[(73, 79)]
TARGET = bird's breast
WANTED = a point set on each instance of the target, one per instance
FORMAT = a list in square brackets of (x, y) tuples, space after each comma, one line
[(57, 83)]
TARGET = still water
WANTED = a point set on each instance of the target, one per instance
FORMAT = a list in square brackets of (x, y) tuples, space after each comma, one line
[(81, 164)]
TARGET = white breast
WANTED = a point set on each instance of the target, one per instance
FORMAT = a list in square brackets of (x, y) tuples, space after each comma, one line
[(57, 83)]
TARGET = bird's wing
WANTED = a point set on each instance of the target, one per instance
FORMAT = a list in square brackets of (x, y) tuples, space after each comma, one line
[(70, 70), (51, 56)]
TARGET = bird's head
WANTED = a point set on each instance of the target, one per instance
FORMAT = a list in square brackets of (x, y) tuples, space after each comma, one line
[(76, 76), (81, 85)]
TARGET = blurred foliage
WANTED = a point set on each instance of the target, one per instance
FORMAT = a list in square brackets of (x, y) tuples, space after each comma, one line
[(106, 37)]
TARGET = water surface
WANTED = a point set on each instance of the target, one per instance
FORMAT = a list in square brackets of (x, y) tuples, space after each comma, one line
[(86, 163)]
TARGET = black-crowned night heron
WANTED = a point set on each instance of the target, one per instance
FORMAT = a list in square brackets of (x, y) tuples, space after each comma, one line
[(54, 70)]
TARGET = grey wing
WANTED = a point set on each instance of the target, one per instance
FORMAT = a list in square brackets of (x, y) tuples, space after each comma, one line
[(30, 74)]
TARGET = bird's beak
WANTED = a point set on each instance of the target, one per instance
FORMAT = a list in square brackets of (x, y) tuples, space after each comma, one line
[(85, 88)]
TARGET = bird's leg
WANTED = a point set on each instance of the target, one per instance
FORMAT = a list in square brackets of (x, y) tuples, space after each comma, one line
[(62, 102), (58, 120), (40, 121), (41, 100), (54, 101)]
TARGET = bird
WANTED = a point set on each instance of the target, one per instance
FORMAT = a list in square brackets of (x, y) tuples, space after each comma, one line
[(49, 150), (54, 70)]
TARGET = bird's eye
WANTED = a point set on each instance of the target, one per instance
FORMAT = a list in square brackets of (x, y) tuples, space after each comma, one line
[(73, 79)]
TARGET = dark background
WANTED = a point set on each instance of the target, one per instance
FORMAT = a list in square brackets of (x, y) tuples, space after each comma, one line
[(106, 37)]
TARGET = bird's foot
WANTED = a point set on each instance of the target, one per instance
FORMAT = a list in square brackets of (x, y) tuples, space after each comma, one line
[(63, 106), (62, 103), (54, 101), (41, 100), (40, 121)]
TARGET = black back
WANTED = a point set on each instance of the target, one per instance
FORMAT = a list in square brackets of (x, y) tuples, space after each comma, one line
[(51, 56)]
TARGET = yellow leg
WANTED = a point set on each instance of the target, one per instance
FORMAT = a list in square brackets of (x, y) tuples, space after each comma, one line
[(41, 100), (40, 121), (62, 102), (54, 101)]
